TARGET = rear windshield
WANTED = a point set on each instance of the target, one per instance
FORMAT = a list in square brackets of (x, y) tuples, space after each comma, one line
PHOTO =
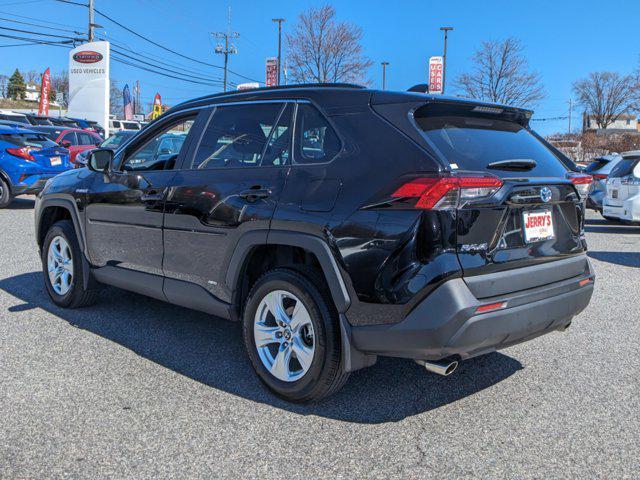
[(28, 140), (597, 164), (470, 141), (41, 121), (624, 167)]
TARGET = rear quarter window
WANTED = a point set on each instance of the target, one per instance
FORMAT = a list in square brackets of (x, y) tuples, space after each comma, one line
[(470, 141)]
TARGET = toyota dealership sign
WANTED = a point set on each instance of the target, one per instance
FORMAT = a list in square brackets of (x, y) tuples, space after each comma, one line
[(436, 69), (89, 83)]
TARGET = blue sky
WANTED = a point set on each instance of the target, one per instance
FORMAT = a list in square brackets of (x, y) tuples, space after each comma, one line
[(563, 40)]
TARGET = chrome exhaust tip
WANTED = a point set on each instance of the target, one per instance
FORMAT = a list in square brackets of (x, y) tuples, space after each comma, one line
[(444, 368)]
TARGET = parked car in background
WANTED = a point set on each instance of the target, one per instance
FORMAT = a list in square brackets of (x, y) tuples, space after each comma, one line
[(38, 119), (622, 200), (64, 122), (13, 117), (336, 223), (90, 125), (113, 143), (599, 169), (27, 160), (11, 123), (75, 139), (116, 125)]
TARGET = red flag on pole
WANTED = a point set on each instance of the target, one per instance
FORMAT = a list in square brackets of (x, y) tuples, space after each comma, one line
[(45, 89)]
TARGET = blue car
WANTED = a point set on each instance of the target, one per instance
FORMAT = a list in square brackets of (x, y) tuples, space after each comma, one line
[(27, 160)]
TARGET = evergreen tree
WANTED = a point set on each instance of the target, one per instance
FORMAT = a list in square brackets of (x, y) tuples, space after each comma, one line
[(17, 90)]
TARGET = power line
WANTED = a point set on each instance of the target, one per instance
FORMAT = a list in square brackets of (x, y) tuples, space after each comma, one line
[(12, 20), (157, 61), (38, 20), (164, 47), (114, 50), (125, 62), (37, 33)]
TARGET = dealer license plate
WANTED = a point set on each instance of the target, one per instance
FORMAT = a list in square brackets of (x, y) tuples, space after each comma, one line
[(55, 161), (538, 225)]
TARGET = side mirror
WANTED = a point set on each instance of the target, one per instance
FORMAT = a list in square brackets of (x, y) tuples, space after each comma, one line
[(100, 160), (65, 143)]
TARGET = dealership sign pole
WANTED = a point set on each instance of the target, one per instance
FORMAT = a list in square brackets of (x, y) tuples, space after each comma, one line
[(89, 83), (435, 74), (45, 91)]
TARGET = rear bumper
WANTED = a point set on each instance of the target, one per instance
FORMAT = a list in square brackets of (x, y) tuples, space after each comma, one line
[(31, 185), (629, 211), (446, 323)]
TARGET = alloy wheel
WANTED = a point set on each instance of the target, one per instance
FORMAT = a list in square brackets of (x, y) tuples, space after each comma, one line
[(284, 335), (60, 265)]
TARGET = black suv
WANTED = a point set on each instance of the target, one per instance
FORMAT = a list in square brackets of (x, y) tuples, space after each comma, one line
[(336, 223)]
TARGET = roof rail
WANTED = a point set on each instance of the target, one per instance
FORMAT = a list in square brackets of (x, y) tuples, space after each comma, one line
[(275, 88)]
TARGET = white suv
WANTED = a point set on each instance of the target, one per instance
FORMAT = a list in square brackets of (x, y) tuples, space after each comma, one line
[(622, 200)]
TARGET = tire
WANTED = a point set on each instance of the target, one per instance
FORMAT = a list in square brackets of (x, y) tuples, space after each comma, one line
[(76, 295), (5, 194), (324, 374)]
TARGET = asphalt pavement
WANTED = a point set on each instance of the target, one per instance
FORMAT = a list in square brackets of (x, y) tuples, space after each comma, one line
[(135, 388)]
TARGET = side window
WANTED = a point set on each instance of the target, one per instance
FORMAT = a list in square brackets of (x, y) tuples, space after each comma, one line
[(238, 136), (71, 138), (161, 151), (85, 139), (316, 141)]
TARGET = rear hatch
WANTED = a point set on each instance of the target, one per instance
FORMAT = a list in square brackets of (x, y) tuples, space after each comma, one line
[(536, 214), (623, 181), (37, 148)]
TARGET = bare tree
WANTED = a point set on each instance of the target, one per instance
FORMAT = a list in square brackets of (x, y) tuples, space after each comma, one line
[(607, 95), (32, 77), (323, 50), (60, 83), (501, 74)]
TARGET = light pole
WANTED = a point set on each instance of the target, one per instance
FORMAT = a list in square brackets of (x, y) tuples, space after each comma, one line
[(444, 56), (279, 20), (384, 74)]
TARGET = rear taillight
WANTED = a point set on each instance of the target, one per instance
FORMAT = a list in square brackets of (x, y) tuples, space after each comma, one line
[(24, 153), (450, 191), (582, 182), (599, 176)]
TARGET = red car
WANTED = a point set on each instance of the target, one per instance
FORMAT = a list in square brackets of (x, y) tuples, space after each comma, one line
[(75, 139)]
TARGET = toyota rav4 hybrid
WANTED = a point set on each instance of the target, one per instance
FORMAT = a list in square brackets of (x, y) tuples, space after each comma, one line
[(337, 223)]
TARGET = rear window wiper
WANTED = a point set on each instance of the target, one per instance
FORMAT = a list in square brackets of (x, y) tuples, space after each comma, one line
[(519, 164)]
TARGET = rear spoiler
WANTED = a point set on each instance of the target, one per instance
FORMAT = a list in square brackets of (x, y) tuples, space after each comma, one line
[(519, 115)]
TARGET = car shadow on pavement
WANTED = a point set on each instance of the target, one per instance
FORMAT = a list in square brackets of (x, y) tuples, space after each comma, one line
[(21, 204), (210, 350), (626, 259), (605, 226)]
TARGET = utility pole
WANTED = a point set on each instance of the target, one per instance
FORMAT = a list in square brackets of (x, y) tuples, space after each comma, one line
[(91, 24), (570, 111), (444, 56), (279, 20), (228, 48), (384, 74)]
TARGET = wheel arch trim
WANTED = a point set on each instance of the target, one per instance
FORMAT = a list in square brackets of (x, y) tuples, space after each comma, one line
[(315, 245)]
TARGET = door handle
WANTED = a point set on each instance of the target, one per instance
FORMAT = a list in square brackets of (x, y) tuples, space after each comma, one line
[(254, 194), (152, 196)]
